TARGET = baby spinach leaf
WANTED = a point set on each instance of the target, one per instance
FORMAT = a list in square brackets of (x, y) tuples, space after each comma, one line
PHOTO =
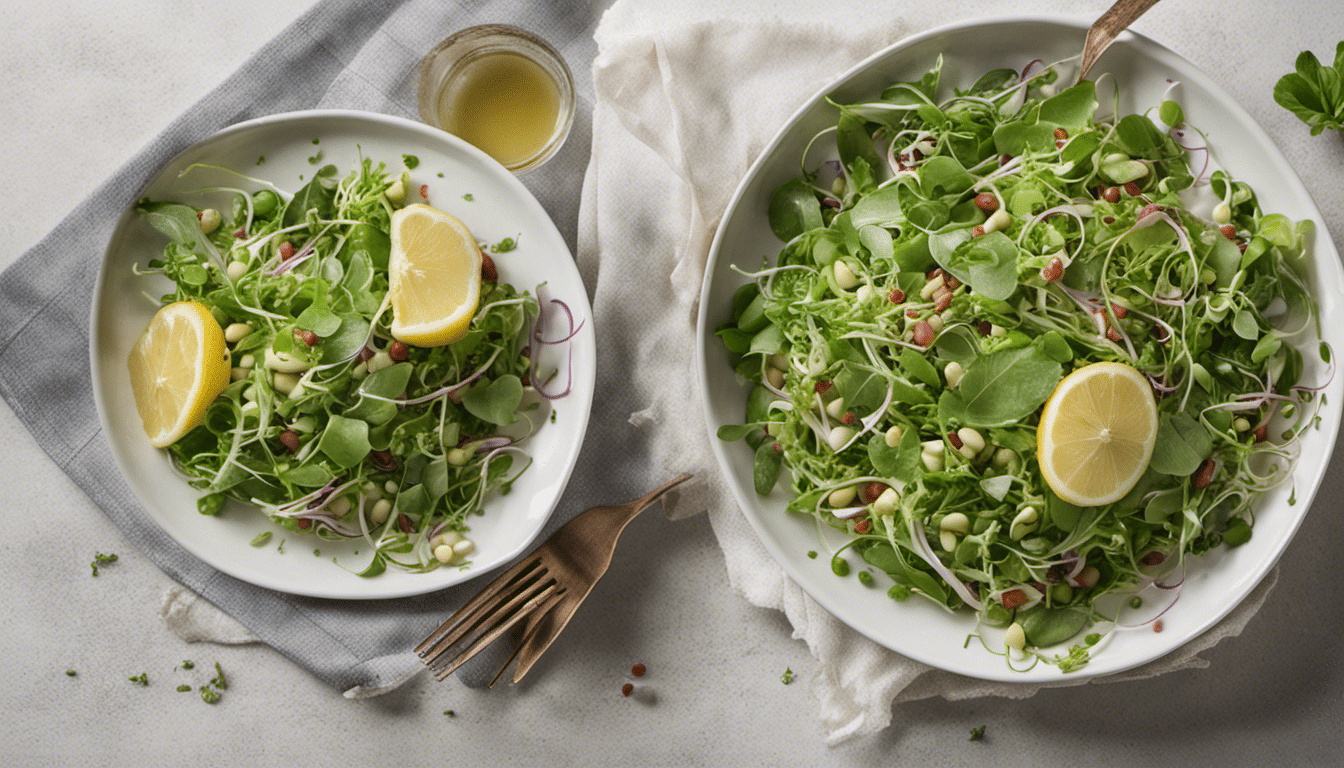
[(307, 476), (1064, 515), (1001, 387), (1313, 92), (1245, 325), (1071, 108), (1182, 445), (862, 389), (345, 441), (767, 341), (1051, 626), (765, 469), (880, 208), (317, 195), (733, 432), (942, 175), (988, 264), (496, 401), (179, 223), (994, 80), (877, 241), (319, 319), (346, 341), (794, 210), (389, 382), (900, 463), (918, 366), (854, 143)]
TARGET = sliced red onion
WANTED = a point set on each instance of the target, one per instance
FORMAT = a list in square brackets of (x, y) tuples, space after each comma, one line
[(922, 548), (491, 443), (849, 513)]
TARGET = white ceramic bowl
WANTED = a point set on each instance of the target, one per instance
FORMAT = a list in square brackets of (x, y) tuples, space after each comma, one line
[(916, 628), (500, 207)]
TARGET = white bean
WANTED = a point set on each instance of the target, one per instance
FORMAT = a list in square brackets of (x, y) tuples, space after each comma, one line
[(885, 503), (953, 372), (381, 509), (836, 408), (236, 332), (838, 437), (841, 497), (893, 436), (844, 276)]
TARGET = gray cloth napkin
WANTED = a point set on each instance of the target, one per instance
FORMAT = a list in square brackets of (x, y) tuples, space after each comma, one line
[(341, 54)]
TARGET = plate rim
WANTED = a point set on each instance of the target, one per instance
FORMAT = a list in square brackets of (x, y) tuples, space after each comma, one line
[(586, 371), (827, 599)]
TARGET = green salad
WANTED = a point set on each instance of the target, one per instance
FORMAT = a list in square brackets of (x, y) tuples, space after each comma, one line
[(329, 425), (937, 281)]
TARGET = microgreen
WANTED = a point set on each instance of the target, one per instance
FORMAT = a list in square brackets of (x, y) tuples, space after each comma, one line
[(1315, 93)]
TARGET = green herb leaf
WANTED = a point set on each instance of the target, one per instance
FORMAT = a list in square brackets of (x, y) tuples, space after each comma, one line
[(496, 401), (1001, 388), (345, 441), (1182, 445)]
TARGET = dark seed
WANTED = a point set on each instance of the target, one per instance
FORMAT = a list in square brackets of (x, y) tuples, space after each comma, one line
[(383, 460), (290, 439), (488, 272), (398, 351)]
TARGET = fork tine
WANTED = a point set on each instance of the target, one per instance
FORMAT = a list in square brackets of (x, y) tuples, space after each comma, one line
[(486, 616), (509, 578), (534, 623), (533, 647), (480, 644)]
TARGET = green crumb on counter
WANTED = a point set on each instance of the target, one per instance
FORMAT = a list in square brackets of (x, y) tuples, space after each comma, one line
[(787, 677), (468, 197), (411, 161), (183, 688), (70, 673), (100, 559), (209, 695), (187, 664), (261, 539), (865, 578), (505, 245), (261, 159), (219, 680), (977, 733), (449, 713), (142, 679), (317, 141), (812, 554), (315, 159)]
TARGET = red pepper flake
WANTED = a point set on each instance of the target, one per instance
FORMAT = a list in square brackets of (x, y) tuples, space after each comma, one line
[(984, 327), (1132, 189), (823, 387), (527, 352), (849, 419), (912, 313), (1004, 158), (305, 523), (424, 191), (778, 448), (241, 233), (638, 670), (404, 523), (955, 440), (1242, 247), (1013, 598), (1157, 625), (627, 689), (286, 251), (863, 526)]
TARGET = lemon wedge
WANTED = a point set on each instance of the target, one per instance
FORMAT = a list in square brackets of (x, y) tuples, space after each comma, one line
[(178, 366), (1097, 433), (434, 276)]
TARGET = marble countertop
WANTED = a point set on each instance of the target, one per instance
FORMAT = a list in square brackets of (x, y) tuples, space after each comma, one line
[(88, 83)]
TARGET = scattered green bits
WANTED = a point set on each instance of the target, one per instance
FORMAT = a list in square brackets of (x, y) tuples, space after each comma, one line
[(839, 566), (219, 681), (787, 677), (261, 159), (449, 713), (142, 679), (812, 554), (977, 734), (183, 688), (317, 141), (188, 664), (209, 695), (261, 539), (505, 245), (865, 578), (70, 673), (411, 161), (468, 197), (315, 159), (100, 559)]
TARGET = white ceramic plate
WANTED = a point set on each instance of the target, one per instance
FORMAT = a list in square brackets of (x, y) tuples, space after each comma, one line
[(916, 628), (501, 207)]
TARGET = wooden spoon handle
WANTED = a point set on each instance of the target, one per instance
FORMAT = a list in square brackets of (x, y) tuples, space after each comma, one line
[(1105, 29)]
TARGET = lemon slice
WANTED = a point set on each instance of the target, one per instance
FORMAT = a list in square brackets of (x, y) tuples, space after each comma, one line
[(1097, 433), (178, 365), (434, 276)]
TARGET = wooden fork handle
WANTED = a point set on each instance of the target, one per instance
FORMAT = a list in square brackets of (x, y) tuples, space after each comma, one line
[(1105, 29)]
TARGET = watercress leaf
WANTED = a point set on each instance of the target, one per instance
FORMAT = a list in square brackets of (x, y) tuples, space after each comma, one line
[(307, 476), (854, 143), (758, 404), (1162, 506), (412, 502), (1139, 137), (435, 478), (918, 366), (496, 401), (735, 340), (1064, 515), (1268, 345), (765, 469), (319, 319), (1016, 137), (1055, 346), (1171, 113), (793, 210), (942, 175), (767, 341), (389, 382), (876, 240), (375, 566), (345, 441), (957, 344), (753, 317), (1001, 387), (994, 80), (1182, 445)]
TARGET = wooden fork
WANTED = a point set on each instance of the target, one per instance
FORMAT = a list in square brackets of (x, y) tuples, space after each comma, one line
[(543, 590)]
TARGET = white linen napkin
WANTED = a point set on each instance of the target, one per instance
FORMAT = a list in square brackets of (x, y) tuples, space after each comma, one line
[(682, 109)]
